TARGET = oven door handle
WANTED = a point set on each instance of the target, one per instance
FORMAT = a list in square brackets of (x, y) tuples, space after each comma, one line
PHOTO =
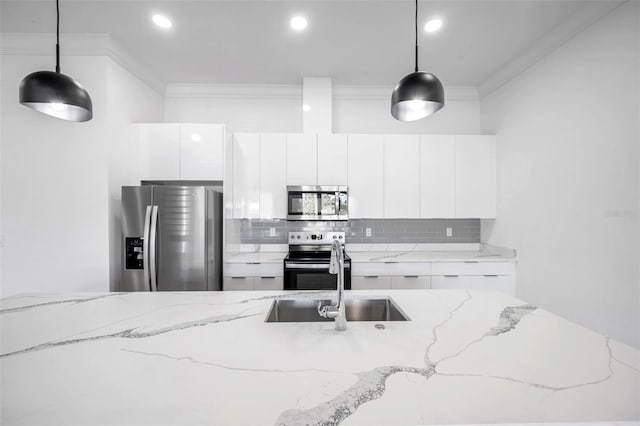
[(289, 265)]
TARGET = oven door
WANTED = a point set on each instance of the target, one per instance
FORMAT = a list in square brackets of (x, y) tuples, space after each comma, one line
[(316, 276)]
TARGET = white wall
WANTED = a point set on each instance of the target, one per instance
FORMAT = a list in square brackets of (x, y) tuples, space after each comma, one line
[(60, 181), (279, 109), (54, 180), (129, 101), (568, 185)]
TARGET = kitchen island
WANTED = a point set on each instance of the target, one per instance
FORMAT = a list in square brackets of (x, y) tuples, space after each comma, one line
[(209, 358)]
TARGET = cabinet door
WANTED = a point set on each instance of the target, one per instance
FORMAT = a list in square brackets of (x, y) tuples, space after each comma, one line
[(332, 159), (401, 176), (365, 176), (450, 282), (268, 283), (202, 152), (273, 175), (437, 176), (246, 188), (370, 283), (411, 282), (301, 159), (502, 283), (475, 177), (237, 283), (159, 151)]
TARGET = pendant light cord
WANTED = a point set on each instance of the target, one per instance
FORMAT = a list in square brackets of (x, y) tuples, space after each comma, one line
[(58, 36), (416, 35)]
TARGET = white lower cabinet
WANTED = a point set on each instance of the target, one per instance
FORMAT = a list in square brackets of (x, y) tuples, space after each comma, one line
[(450, 282), (370, 282), (268, 283), (497, 276), (503, 283), (411, 282), (237, 283), (252, 276)]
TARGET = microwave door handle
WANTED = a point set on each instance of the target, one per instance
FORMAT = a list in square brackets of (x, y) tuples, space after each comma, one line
[(145, 248), (152, 245), (337, 202)]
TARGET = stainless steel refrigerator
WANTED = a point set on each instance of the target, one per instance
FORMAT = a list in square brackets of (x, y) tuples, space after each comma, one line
[(171, 238)]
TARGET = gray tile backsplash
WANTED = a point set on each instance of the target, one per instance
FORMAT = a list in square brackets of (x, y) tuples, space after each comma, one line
[(258, 231)]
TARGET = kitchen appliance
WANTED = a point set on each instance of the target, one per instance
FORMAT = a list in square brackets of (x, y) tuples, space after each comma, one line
[(315, 202), (306, 266), (171, 238)]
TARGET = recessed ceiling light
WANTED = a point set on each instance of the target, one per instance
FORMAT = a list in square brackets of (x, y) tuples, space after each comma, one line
[(433, 25), (196, 137), (298, 23), (306, 107), (161, 21)]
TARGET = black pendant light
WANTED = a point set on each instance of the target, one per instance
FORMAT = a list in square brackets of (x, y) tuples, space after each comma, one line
[(54, 93), (418, 94)]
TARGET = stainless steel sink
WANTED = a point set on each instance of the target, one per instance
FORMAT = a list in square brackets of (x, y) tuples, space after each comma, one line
[(306, 310)]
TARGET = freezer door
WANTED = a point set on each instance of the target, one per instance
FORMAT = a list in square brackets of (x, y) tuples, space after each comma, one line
[(136, 202), (180, 249)]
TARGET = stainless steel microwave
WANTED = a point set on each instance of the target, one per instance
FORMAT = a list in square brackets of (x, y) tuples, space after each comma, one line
[(317, 203)]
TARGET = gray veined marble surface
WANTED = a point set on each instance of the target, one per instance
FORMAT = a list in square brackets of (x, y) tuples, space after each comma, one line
[(209, 358)]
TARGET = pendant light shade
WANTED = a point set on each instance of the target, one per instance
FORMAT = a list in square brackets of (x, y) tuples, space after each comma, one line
[(54, 93), (418, 94)]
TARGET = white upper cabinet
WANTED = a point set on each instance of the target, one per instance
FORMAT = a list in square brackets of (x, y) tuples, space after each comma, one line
[(159, 151), (201, 152), (401, 176), (365, 176), (171, 151), (301, 159), (273, 175), (332, 159), (246, 177), (475, 176), (437, 176)]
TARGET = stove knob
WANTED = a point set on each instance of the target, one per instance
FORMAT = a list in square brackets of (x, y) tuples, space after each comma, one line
[(334, 237), (340, 237), (298, 237), (319, 237)]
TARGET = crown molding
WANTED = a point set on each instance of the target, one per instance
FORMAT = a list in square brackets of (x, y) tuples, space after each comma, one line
[(294, 92), (31, 44), (586, 16)]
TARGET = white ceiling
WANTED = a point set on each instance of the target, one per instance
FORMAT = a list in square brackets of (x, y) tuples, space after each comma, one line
[(355, 42)]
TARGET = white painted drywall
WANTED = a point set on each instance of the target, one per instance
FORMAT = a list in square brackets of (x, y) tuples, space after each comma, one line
[(129, 101), (54, 181), (60, 185), (355, 110), (568, 184)]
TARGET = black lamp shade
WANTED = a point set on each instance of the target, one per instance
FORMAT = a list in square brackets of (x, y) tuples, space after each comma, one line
[(416, 96), (56, 94)]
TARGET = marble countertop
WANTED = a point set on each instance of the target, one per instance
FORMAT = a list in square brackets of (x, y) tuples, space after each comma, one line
[(394, 253), (209, 358)]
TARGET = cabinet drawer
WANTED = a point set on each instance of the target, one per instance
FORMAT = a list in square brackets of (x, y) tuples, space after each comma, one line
[(504, 284), (449, 282), (472, 268), (411, 282), (237, 283), (268, 283), (370, 283), (390, 268), (254, 269)]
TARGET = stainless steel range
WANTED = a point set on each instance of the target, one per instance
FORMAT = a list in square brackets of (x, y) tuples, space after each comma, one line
[(306, 266)]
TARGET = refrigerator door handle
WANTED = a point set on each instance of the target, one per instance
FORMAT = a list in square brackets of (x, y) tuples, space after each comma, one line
[(153, 234), (145, 247)]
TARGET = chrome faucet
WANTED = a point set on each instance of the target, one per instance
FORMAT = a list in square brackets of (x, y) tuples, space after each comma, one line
[(337, 311)]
